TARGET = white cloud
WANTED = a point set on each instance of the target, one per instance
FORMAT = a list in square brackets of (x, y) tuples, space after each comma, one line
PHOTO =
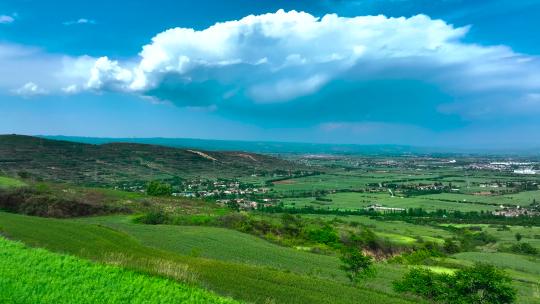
[(282, 56), (22, 64), (5, 19), (80, 21), (286, 58), (30, 89)]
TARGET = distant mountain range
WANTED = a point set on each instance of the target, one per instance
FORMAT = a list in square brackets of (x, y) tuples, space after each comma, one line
[(268, 147)]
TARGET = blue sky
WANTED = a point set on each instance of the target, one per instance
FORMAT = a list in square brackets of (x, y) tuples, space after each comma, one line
[(433, 73)]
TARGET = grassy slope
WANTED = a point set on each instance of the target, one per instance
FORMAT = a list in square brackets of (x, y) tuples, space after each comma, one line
[(39, 276), (224, 244), (6, 182), (244, 282)]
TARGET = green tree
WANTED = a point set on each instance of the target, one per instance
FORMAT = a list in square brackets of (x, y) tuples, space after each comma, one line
[(356, 264), (518, 236), (157, 188), (481, 283)]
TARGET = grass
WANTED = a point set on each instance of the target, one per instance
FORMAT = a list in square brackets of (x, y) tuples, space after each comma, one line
[(39, 276), (395, 230), (6, 182), (240, 281), (226, 245), (506, 237), (521, 199), (506, 260)]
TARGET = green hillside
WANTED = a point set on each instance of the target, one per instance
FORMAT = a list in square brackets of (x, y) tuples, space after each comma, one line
[(39, 276), (113, 163), (240, 281), (224, 244)]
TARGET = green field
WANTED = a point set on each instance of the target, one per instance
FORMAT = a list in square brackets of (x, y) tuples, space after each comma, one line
[(507, 236), (226, 245), (39, 276), (507, 260), (240, 281), (522, 198), (396, 230), (10, 182), (355, 200)]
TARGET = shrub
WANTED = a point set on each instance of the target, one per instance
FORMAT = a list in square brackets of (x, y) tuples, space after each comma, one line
[(153, 218), (326, 235), (156, 188), (524, 248), (425, 283), (450, 247), (356, 264), (481, 283)]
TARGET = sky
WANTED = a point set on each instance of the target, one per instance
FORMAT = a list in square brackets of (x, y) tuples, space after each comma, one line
[(415, 72)]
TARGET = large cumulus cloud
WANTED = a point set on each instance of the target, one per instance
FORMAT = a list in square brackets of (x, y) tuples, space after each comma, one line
[(298, 67)]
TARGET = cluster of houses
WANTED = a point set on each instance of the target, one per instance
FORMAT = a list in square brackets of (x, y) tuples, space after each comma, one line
[(220, 193), (245, 204), (515, 212), (220, 188), (509, 166)]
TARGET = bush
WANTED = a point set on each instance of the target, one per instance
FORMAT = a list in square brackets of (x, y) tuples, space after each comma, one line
[(153, 218), (156, 188), (451, 247), (417, 257), (356, 264), (425, 283), (481, 283), (326, 235), (524, 248)]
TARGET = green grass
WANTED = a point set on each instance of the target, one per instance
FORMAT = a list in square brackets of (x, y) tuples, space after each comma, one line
[(522, 198), (6, 182), (39, 276), (240, 281), (507, 238), (224, 244), (395, 230), (506, 260)]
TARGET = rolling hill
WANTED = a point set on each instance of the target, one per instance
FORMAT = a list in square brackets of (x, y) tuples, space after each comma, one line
[(111, 163)]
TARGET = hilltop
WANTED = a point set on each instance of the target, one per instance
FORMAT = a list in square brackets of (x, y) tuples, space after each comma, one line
[(110, 163)]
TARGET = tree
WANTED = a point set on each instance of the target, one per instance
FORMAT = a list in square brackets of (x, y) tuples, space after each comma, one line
[(518, 236), (356, 264), (481, 283), (156, 188)]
